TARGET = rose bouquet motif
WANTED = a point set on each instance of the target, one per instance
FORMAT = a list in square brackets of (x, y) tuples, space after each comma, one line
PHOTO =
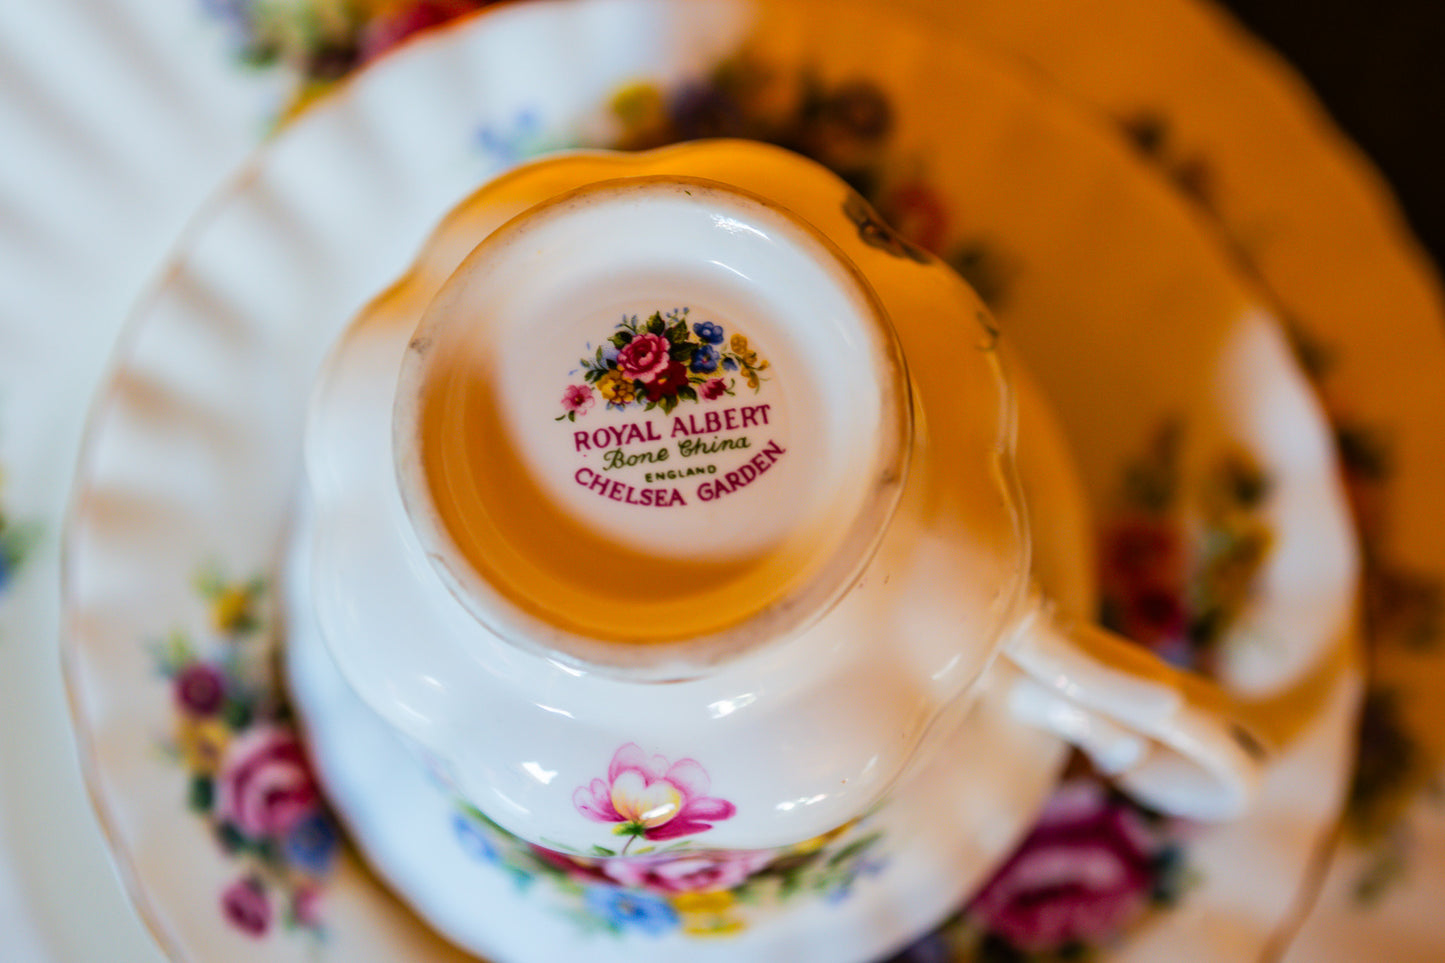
[(662, 361), (247, 773)]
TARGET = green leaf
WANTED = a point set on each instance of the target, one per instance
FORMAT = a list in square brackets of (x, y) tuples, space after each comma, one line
[(572, 416), (602, 851), (237, 714), (682, 352), (620, 339), (655, 324), (687, 393), (230, 838), (202, 794)]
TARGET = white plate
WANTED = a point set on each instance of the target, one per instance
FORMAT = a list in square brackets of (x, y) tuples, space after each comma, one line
[(192, 457)]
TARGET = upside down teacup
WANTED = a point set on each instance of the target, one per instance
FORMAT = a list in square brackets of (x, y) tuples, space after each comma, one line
[(680, 531)]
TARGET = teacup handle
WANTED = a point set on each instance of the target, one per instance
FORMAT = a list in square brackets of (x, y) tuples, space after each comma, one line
[(1167, 736)]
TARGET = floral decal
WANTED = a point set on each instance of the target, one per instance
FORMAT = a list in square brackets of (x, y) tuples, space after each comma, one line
[(651, 798), (1094, 864), (847, 126), (249, 778), (1173, 577), (662, 361), (1404, 619), (667, 886), (1168, 588), (16, 542), (321, 41)]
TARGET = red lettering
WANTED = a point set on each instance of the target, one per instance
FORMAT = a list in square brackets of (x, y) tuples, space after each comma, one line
[(614, 490), (763, 410), (579, 439), (652, 434), (705, 492), (761, 463), (598, 483), (714, 423), (676, 499), (748, 473), (773, 451), (679, 427), (750, 416), (583, 471), (733, 480), (732, 419)]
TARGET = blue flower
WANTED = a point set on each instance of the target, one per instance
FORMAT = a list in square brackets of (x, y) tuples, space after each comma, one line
[(474, 842), (709, 332), (730, 363), (630, 908), (704, 359), (311, 843)]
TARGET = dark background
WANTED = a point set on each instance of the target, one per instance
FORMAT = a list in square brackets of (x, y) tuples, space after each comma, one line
[(1379, 67)]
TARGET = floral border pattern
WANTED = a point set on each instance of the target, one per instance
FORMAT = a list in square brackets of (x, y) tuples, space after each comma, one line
[(1403, 609), (675, 888), (248, 776)]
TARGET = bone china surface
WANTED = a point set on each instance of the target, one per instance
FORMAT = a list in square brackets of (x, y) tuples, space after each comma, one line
[(203, 910)]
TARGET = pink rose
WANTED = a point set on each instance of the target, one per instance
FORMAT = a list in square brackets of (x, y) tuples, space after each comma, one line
[(689, 873), (399, 22), (652, 797), (1082, 875), (306, 906), (265, 786), (578, 398), (644, 357), (714, 388), (245, 904)]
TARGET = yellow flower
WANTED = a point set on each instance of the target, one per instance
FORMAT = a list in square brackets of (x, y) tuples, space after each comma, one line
[(639, 105), (202, 743), (615, 388), (818, 842), (749, 359), (707, 913), (231, 608)]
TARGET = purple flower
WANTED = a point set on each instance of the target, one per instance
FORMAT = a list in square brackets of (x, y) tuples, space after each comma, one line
[(245, 904), (1083, 874), (705, 359), (312, 842), (200, 689), (710, 333), (652, 797)]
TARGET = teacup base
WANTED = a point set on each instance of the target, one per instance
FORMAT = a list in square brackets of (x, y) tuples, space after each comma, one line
[(858, 897)]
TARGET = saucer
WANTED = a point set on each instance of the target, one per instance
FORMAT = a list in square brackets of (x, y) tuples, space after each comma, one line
[(192, 455)]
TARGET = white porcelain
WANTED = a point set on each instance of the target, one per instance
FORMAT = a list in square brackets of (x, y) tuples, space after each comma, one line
[(127, 701), (833, 650)]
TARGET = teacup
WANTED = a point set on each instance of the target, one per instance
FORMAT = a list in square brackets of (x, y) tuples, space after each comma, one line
[(684, 531)]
